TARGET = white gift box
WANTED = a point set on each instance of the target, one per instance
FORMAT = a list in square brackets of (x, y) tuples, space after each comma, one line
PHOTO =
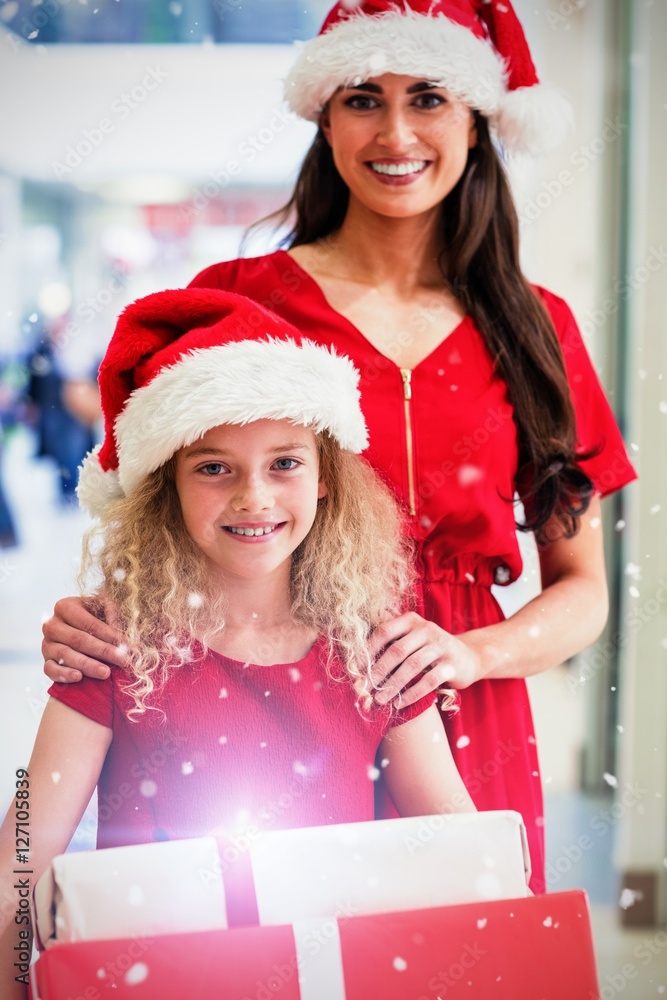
[(279, 877)]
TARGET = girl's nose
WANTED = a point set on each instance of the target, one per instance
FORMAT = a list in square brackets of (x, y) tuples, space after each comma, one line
[(253, 495)]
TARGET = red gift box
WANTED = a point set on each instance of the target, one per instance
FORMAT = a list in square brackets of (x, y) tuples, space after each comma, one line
[(539, 948)]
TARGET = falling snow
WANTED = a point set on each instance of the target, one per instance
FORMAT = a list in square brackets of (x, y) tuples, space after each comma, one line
[(295, 675), (222, 740), (223, 693), (195, 600), (619, 525), (136, 974), (610, 779), (462, 742), (373, 773), (119, 575), (187, 767), (481, 923), (655, 509), (633, 571), (548, 922), (628, 898), (469, 474), (55, 777), (400, 964), (148, 788), (299, 768)]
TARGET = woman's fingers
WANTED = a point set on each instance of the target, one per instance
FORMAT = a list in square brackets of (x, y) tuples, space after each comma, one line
[(73, 612), (391, 630), (430, 681), (422, 665), (69, 661), (57, 672), (89, 652)]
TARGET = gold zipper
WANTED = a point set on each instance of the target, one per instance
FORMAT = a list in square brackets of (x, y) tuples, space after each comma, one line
[(406, 375)]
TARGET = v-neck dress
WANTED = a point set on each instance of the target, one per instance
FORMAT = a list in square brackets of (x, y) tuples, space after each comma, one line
[(443, 437)]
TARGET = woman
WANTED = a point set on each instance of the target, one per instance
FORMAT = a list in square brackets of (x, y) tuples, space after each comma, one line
[(404, 256)]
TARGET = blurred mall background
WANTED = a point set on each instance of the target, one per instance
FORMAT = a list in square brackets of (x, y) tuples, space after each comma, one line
[(138, 140)]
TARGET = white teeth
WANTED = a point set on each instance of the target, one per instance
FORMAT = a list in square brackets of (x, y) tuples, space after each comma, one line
[(399, 169), (252, 531)]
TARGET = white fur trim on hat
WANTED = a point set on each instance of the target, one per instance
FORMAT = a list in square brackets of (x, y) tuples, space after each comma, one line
[(235, 383), (96, 488), (408, 43)]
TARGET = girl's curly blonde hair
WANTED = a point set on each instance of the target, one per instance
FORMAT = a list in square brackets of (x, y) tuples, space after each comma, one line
[(353, 570)]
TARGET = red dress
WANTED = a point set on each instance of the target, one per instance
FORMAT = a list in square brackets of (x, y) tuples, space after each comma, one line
[(444, 437), (239, 746)]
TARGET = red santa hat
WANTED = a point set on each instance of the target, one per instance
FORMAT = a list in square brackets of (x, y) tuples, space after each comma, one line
[(181, 362), (476, 49)]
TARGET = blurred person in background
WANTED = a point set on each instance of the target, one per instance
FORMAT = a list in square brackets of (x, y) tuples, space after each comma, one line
[(62, 405), (8, 399)]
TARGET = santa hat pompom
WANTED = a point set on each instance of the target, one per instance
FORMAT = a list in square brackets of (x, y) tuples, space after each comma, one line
[(534, 119), (96, 488)]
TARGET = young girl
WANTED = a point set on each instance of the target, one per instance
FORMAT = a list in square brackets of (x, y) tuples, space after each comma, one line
[(247, 554)]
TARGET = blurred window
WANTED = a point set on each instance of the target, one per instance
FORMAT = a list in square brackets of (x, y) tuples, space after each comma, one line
[(164, 21)]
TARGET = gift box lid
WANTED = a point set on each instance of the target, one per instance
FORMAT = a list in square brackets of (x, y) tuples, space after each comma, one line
[(278, 877)]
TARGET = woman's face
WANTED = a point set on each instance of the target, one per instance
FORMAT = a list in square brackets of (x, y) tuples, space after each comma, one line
[(400, 143)]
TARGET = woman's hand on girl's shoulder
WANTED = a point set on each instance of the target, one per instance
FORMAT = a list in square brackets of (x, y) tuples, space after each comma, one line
[(411, 648), (77, 643)]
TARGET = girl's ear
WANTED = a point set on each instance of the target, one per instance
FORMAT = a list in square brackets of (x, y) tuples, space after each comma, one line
[(321, 489)]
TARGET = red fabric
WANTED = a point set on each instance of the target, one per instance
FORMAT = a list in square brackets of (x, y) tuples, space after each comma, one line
[(518, 949), (465, 459), (242, 746), (460, 11), (509, 41)]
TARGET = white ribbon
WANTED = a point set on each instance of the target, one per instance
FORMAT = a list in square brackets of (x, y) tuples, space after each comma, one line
[(319, 959)]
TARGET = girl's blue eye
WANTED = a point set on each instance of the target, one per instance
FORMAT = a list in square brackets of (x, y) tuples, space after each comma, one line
[(285, 464), (212, 468)]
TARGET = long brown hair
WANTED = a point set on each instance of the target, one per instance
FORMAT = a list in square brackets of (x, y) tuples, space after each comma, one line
[(480, 264)]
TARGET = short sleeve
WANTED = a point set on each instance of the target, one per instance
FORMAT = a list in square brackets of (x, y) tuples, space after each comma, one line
[(91, 698), (610, 468), (394, 718)]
